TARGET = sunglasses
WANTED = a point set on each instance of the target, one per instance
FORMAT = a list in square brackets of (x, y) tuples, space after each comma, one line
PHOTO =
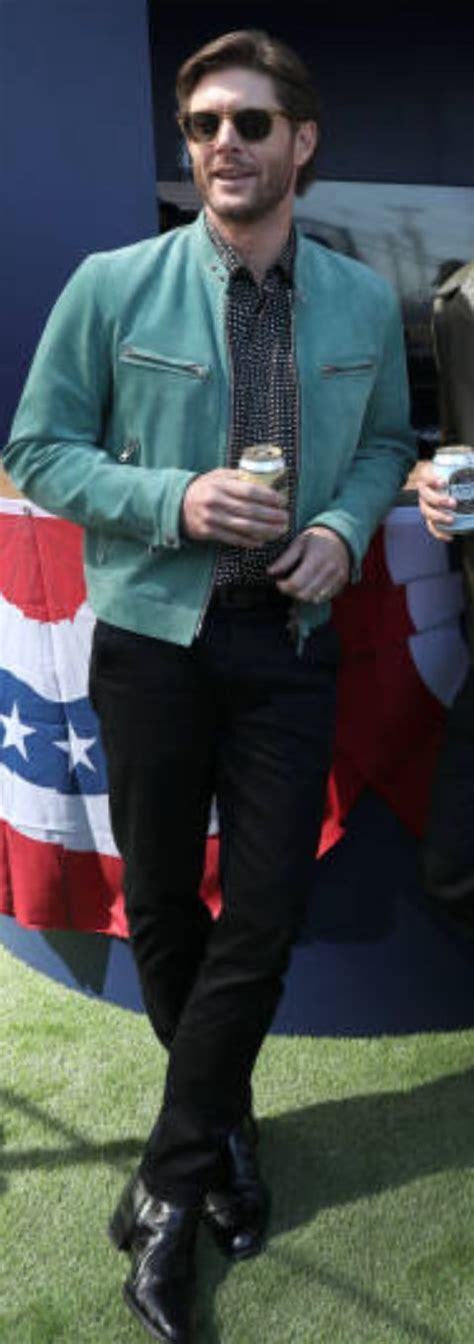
[(251, 123)]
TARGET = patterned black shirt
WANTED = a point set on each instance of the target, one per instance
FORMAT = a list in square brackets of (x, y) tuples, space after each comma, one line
[(259, 322)]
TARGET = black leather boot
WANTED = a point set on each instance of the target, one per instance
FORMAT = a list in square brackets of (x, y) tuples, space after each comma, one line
[(237, 1211), (131, 1203), (161, 1237)]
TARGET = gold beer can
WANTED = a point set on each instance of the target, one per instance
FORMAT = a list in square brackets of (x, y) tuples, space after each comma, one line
[(264, 464)]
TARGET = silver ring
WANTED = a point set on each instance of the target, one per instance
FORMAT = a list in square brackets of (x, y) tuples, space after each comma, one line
[(321, 595)]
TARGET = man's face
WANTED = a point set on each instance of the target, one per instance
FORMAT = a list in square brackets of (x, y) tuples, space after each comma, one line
[(241, 180)]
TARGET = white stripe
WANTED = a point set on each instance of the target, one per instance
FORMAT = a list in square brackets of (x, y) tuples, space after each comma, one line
[(22, 506), (410, 550), (51, 656), (434, 600), (80, 822), (441, 659)]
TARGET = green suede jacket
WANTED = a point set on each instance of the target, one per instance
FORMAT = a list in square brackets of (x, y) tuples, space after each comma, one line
[(128, 398)]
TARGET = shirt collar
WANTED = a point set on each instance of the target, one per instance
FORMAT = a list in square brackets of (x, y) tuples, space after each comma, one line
[(235, 265)]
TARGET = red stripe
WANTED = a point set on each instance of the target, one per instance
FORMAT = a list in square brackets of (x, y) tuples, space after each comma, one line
[(31, 577), (46, 886), (388, 730)]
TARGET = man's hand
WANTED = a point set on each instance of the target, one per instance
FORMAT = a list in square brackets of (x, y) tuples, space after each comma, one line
[(436, 505), (317, 565), (219, 506)]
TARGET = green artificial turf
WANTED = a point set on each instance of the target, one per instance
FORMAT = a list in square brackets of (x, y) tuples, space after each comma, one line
[(368, 1145)]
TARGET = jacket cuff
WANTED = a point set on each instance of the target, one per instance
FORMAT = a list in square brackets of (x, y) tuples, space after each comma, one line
[(168, 531)]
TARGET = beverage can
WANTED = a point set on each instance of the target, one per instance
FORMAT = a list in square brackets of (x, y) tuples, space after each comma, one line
[(264, 463), (455, 465)]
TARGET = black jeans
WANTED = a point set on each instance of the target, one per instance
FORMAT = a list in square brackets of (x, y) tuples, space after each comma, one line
[(447, 852), (240, 715)]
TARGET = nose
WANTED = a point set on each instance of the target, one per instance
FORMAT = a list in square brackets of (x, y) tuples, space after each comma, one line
[(226, 133)]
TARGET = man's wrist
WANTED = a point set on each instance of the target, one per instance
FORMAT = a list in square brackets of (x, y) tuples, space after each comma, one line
[(315, 530), (318, 529)]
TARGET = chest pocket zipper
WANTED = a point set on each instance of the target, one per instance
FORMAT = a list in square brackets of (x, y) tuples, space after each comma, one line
[(365, 366), (148, 359)]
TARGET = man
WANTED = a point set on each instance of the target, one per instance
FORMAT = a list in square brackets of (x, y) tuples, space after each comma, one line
[(214, 659), (448, 849)]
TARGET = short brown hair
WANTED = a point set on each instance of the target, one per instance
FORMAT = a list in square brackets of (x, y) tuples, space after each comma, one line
[(252, 49)]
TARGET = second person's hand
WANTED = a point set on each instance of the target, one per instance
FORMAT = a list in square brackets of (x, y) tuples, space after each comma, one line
[(436, 504)]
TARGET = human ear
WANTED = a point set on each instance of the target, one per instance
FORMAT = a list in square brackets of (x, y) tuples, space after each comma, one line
[(306, 139)]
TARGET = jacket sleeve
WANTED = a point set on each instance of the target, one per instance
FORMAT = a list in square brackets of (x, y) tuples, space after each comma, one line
[(56, 454), (385, 452)]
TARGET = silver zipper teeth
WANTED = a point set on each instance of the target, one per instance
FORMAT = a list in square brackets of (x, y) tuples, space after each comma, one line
[(207, 599), (131, 356), (294, 520), (347, 369), (129, 450)]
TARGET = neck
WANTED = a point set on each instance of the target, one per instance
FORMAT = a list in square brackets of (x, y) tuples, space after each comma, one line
[(258, 243)]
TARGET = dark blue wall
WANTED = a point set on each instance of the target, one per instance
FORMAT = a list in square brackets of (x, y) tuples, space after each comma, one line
[(79, 167), (397, 82), (78, 119)]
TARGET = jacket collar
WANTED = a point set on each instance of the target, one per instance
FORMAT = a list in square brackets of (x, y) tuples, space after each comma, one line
[(214, 262)]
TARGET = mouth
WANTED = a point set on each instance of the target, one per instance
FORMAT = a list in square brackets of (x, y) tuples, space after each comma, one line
[(232, 174)]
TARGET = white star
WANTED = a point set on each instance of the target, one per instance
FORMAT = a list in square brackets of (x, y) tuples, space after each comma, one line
[(77, 748), (15, 731)]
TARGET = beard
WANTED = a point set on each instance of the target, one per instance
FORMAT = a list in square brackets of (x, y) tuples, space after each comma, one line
[(265, 192)]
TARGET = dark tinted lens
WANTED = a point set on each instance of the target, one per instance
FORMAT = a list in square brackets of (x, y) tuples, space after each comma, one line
[(201, 125), (253, 123)]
